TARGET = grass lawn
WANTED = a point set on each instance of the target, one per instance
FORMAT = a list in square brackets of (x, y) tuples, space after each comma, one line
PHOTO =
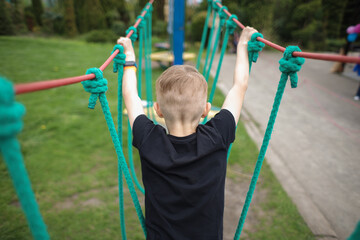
[(71, 160)]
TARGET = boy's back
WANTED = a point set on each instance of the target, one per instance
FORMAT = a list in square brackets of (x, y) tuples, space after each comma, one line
[(184, 172), (184, 178)]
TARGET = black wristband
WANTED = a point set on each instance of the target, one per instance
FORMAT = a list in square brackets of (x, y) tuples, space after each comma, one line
[(130, 63)]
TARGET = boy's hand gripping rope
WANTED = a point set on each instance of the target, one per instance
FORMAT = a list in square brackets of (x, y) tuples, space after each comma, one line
[(289, 66), (92, 87), (119, 62), (11, 124), (254, 47)]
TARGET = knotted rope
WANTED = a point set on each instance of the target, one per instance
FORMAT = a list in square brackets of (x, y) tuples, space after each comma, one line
[(97, 87), (254, 47), (11, 124), (119, 62), (289, 66), (230, 24), (215, 6), (134, 35)]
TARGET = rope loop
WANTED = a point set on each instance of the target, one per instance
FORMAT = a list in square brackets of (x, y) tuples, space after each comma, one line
[(290, 65), (119, 59), (96, 86), (134, 36), (215, 6), (255, 46), (11, 112), (230, 24), (222, 14), (142, 23), (150, 9)]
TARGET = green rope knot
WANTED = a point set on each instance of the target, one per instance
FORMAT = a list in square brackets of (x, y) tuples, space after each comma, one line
[(95, 86), (134, 36), (210, 2), (11, 112), (222, 14), (230, 24), (119, 59), (215, 6), (255, 46), (150, 9), (142, 23), (290, 65)]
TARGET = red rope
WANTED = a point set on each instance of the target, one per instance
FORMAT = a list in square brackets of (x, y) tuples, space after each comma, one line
[(319, 56), (42, 85)]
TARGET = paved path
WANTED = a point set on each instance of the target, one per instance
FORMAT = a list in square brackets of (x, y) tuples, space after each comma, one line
[(315, 146)]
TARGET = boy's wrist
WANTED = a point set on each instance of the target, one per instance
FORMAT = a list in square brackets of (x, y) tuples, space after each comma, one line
[(130, 57)]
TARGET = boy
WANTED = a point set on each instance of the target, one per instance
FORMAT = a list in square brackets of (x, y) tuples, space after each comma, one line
[(184, 171)]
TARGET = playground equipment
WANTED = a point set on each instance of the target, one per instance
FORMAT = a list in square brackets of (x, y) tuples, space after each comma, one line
[(94, 83)]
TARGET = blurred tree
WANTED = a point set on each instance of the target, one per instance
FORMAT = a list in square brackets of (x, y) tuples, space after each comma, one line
[(70, 20), (159, 10), (307, 17), (18, 16), (37, 10), (90, 15), (257, 13), (351, 16), (141, 4), (6, 25), (333, 13), (115, 10)]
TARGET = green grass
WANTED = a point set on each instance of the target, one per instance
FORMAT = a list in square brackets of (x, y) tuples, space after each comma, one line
[(71, 160)]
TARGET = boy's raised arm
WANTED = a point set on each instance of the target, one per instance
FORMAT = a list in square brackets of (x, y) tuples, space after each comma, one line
[(234, 99), (131, 98)]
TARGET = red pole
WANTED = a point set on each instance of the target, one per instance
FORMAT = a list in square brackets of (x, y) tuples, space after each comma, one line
[(42, 85), (318, 56)]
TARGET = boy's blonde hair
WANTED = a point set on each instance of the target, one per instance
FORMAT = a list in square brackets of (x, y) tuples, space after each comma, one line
[(181, 93)]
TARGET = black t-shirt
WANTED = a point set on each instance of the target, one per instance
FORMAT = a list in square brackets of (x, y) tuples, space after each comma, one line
[(184, 178)]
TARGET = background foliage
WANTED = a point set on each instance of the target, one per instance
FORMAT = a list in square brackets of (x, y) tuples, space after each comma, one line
[(312, 24)]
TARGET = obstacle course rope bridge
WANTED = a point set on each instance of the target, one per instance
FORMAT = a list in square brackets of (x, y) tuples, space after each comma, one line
[(94, 83)]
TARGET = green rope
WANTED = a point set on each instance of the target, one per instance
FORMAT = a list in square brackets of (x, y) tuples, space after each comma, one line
[(204, 34), (289, 66), (208, 48), (97, 87), (230, 28), (148, 71), (119, 62), (141, 43), (356, 234), (254, 47), (134, 36), (131, 161), (147, 77), (11, 124), (129, 136), (223, 17)]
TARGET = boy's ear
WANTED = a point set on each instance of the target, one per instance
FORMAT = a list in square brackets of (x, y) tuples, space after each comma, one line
[(206, 110), (157, 110)]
